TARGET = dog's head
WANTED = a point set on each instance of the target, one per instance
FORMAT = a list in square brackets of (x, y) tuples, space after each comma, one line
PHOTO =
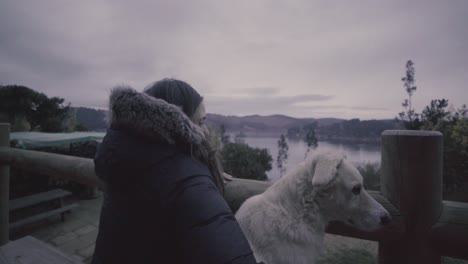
[(337, 189)]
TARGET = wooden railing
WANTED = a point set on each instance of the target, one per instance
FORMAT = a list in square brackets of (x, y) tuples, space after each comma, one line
[(423, 229)]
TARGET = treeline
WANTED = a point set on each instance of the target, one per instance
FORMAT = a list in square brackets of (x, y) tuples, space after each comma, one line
[(28, 110), (91, 119), (350, 130), (452, 123), (356, 129)]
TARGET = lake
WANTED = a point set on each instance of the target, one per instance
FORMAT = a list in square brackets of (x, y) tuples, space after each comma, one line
[(357, 153)]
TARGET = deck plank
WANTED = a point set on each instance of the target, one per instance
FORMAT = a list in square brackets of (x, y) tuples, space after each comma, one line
[(29, 200), (29, 250), (41, 216)]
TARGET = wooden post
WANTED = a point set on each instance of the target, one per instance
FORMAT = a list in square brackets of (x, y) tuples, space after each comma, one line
[(4, 187), (412, 181)]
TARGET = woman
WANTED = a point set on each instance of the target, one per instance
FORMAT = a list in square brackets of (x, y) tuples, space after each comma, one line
[(163, 202)]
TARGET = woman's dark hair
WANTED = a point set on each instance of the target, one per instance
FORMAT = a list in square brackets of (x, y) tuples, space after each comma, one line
[(180, 93), (176, 92)]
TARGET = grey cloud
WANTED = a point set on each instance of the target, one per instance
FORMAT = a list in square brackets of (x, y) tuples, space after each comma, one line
[(272, 94), (284, 105), (308, 98), (366, 108), (267, 91), (344, 107), (352, 54)]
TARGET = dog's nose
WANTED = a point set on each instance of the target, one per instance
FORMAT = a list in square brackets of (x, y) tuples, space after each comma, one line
[(385, 219)]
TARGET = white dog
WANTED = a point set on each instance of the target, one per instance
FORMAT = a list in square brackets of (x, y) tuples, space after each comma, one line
[(286, 224)]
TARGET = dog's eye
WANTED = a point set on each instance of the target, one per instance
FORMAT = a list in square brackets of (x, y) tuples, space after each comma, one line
[(356, 190)]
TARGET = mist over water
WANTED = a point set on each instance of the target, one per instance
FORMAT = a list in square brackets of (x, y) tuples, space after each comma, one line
[(357, 153)]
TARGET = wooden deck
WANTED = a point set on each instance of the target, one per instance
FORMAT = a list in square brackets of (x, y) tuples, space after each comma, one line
[(28, 250)]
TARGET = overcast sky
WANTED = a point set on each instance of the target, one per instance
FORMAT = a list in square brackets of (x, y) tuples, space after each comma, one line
[(306, 58)]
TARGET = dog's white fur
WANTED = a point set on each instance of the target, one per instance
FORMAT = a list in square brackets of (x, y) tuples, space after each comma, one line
[(286, 224)]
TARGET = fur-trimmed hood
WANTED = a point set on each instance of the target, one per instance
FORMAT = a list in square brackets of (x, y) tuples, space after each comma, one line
[(155, 120), (152, 118)]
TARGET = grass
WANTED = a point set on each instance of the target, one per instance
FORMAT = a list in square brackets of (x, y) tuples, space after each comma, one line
[(347, 255), (447, 260)]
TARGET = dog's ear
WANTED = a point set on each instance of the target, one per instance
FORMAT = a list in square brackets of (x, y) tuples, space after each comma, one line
[(325, 168)]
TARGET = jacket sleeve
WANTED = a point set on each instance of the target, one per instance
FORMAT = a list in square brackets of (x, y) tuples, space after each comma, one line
[(203, 223)]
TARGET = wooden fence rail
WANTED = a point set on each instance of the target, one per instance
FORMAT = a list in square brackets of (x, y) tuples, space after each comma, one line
[(423, 229)]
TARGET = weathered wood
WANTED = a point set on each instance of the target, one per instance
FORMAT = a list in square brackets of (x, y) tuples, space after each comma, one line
[(82, 170), (450, 234), (411, 187), (29, 250), (412, 181), (4, 185), (386, 203), (66, 167), (394, 231), (454, 213), (37, 198), (41, 216)]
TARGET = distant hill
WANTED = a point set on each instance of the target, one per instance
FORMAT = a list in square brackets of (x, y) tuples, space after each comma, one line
[(272, 125), (357, 130), (296, 128), (91, 119)]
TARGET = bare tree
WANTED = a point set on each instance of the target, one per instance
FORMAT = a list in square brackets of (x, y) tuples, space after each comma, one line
[(409, 117)]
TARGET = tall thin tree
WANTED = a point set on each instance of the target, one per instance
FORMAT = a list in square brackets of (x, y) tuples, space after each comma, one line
[(408, 83), (282, 158), (311, 141), (225, 138)]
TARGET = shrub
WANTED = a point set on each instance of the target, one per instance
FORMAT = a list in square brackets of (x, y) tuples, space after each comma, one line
[(243, 161), (371, 175)]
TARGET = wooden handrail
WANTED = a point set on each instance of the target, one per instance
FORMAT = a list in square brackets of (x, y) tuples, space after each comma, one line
[(72, 168), (423, 228)]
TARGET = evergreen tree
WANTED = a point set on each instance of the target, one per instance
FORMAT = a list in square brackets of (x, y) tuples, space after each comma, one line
[(70, 122), (436, 111), (311, 141), (42, 113), (214, 137), (454, 127), (225, 138), (452, 123), (239, 138), (282, 158)]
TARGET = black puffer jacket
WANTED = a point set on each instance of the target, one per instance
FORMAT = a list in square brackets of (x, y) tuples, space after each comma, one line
[(161, 205)]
